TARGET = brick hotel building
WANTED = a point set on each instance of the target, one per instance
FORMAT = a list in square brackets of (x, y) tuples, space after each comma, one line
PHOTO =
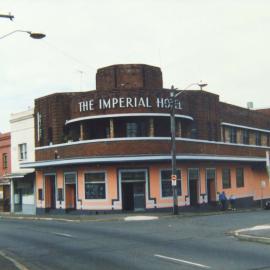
[(110, 149)]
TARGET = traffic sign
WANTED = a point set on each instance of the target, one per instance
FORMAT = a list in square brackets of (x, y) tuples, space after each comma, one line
[(173, 178)]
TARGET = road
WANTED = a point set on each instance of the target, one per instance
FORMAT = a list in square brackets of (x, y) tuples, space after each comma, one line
[(199, 242)]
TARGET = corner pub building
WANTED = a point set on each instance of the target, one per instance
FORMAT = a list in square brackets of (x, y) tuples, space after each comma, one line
[(110, 149)]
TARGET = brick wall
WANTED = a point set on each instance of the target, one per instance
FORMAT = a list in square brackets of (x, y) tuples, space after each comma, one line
[(133, 76)]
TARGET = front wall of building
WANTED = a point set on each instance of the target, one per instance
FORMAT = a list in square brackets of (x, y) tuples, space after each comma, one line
[(5, 149), (251, 191)]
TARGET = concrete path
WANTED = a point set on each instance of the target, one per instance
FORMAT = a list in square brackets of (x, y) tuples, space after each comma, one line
[(259, 234)]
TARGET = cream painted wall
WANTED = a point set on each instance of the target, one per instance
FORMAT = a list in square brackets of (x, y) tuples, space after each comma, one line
[(22, 131)]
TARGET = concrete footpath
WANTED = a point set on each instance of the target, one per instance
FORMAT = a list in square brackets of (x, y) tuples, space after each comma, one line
[(120, 216), (258, 234)]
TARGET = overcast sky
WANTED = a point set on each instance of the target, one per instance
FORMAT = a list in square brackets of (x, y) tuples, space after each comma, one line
[(223, 42)]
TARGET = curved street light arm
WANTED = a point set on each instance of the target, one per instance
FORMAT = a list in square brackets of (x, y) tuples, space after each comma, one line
[(31, 34), (8, 34), (200, 84)]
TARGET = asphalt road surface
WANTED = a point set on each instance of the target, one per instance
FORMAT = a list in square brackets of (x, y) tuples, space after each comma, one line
[(198, 242)]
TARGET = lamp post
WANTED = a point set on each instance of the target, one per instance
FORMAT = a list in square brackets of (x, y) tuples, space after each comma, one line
[(173, 96), (33, 35), (7, 16)]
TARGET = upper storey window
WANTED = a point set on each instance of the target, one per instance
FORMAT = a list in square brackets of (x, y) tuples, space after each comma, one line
[(5, 160), (132, 129), (245, 136), (233, 135), (258, 138), (23, 151), (136, 129)]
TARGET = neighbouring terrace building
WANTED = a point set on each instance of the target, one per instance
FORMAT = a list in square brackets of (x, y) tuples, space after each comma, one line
[(5, 169), (110, 149), (22, 181)]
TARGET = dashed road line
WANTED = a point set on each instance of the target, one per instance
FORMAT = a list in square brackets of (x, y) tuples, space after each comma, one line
[(182, 261), (63, 234)]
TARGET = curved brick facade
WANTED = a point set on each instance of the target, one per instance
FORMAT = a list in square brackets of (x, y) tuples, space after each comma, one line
[(131, 76), (89, 126)]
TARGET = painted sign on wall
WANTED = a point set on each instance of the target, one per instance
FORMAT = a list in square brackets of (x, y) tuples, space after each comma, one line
[(126, 102)]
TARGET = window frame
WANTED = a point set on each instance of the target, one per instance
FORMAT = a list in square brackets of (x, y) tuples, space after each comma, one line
[(246, 136), (178, 181), (258, 138), (233, 135), (105, 183), (5, 160), (243, 177), (22, 151), (230, 179)]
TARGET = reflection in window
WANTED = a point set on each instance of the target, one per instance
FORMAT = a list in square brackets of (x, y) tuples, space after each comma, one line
[(166, 183), (95, 187)]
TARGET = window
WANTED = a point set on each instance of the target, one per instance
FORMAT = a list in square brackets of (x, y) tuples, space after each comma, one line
[(166, 183), (95, 186), (136, 129), (226, 178), (132, 129), (239, 177), (245, 136), (258, 138), (70, 178), (5, 160), (22, 151), (233, 135)]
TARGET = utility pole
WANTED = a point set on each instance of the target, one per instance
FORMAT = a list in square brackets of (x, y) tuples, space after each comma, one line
[(173, 96), (173, 152)]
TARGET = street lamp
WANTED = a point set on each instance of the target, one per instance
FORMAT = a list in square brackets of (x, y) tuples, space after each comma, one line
[(31, 34), (7, 16), (173, 95)]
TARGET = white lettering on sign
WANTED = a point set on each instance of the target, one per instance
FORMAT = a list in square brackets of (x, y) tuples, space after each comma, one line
[(86, 105), (126, 102)]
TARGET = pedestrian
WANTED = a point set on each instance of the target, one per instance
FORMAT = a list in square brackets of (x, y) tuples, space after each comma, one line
[(232, 202), (223, 200)]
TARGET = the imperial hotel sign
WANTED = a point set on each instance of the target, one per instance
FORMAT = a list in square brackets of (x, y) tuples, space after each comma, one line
[(126, 102)]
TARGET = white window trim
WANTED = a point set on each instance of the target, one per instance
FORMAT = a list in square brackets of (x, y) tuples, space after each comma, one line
[(24, 152), (160, 183), (106, 186), (147, 201)]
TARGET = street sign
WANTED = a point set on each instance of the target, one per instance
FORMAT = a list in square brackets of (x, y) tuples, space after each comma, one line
[(173, 178)]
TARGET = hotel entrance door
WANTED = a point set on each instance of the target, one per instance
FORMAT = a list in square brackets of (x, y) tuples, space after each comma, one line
[(133, 189)]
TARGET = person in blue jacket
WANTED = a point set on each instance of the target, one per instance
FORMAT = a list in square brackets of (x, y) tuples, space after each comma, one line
[(223, 200)]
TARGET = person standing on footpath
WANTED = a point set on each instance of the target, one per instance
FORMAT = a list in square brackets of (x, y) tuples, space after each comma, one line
[(223, 200), (232, 202)]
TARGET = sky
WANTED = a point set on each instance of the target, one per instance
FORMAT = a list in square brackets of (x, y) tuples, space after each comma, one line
[(225, 43)]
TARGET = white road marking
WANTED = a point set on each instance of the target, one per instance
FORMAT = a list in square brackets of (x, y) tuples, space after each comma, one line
[(182, 261), (140, 218), (17, 264), (63, 234)]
